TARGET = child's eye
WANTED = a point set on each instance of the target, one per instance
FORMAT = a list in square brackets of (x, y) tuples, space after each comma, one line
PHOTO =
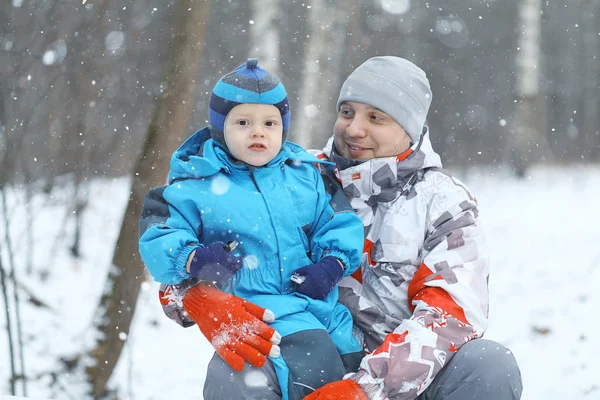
[(270, 123), (243, 122)]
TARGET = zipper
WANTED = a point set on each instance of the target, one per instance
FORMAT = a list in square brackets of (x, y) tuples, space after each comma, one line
[(254, 181)]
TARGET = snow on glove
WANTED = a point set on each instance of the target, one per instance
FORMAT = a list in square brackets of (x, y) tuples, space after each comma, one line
[(320, 277), (214, 263), (346, 389), (233, 326)]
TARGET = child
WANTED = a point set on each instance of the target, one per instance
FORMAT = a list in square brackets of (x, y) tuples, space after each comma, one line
[(238, 181)]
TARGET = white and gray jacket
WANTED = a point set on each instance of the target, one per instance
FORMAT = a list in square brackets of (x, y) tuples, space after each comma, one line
[(424, 270)]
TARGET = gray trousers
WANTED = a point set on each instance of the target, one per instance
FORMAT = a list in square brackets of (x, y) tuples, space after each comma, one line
[(311, 357), (481, 369)]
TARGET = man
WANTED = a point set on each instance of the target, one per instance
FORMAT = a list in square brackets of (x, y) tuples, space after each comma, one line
[(421, 300)]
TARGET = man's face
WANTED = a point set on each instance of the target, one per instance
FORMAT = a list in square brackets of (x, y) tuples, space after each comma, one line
[(253, 133), (363, 132)]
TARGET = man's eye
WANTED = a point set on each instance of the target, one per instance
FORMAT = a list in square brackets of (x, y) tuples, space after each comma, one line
[(376, 117), (344, 112)]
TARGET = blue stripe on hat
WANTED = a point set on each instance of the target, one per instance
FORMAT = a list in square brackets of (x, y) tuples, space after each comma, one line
[(283, 106), (216, 119), (239, 95), (284, 109), (285, 118), (221, 105)]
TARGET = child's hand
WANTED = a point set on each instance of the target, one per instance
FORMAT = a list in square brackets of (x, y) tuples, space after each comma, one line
[(320, 277), (233, 326), (214, 263)]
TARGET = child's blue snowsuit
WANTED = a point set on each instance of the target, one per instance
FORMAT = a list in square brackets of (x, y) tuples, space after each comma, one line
[(283, 219)]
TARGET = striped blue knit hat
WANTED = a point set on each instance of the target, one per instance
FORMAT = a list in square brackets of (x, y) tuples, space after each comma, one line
[(248, 83)]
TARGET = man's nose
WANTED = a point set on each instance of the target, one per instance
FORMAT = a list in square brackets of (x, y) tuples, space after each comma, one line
[(356, 128)]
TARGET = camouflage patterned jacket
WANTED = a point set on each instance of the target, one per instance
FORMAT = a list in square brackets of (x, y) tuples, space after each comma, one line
[(423, 291)]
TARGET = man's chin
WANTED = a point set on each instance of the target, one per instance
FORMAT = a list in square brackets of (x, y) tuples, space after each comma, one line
[(358, 155)]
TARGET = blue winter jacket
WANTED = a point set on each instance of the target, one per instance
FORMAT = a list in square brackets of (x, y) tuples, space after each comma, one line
[(280, 214)]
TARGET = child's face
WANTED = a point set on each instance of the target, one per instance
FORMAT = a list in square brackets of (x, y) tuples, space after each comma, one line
[(253, 133)]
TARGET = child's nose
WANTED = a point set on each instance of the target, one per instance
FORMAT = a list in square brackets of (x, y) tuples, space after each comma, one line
[(258, 131)]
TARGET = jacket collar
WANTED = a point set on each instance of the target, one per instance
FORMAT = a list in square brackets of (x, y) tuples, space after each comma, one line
[(381, 179), (200, 156)]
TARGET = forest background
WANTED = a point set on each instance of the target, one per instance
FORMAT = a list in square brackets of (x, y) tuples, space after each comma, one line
[(94, 92)]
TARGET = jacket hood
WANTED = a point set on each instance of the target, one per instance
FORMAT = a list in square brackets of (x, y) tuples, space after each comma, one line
[(200, 156)]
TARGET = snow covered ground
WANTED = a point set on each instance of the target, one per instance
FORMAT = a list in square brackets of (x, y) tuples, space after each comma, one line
[(544, 238)]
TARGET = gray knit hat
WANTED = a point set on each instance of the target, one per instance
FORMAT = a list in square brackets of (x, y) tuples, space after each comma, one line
[(395, 86)]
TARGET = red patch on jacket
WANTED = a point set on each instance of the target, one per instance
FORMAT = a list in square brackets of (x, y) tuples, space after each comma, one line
[(366, 249), (164, 295), (403, 156), (391, 338), (433, 296)]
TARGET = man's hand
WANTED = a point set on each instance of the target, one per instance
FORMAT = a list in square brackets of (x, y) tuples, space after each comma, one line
[(234, 326), (345, 389), (319, 278)]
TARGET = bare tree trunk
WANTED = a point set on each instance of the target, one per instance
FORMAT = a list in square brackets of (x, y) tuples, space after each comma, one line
[(528, 132), (354, 49), (170, 121), (79, 131), (264, 34), (17, 303), (11, 346), (322, 73), (591, 97), (60, 103), (7, 155)]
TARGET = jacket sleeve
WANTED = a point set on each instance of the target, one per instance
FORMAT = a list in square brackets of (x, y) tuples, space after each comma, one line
[(167, 235), (336, 231), (449, 298)]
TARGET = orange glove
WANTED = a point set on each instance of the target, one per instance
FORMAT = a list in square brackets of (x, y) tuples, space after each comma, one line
[(346, 389), (234, 326)]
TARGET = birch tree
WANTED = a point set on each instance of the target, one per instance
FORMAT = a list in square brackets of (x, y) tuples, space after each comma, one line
[(529, 114), (591, 81), (328, 25), (264, 35), (168, 124)]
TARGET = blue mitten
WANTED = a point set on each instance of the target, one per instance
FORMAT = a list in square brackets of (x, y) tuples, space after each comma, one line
[(319, 278), (214, 263)]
